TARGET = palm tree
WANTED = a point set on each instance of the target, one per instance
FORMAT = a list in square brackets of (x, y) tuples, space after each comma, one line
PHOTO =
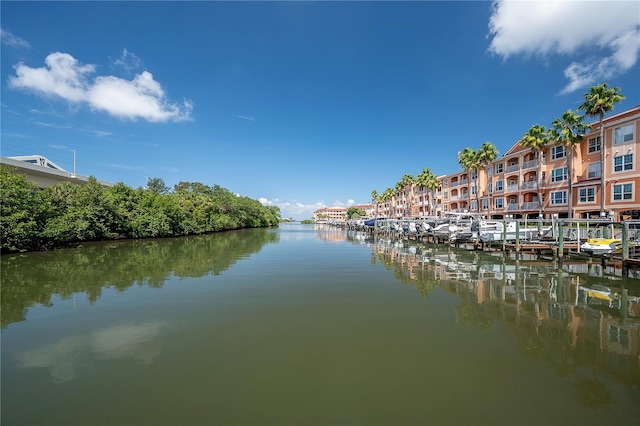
[(486, 154), (568, 131), (537, 138), (598, 100), (387, 195), (469, 161), (374, 200), (427, 179), (406, 180)]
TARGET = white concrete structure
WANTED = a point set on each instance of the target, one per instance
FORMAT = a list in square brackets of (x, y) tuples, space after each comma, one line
[(44, 172)]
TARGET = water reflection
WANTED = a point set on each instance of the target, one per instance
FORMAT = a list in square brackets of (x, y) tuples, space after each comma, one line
[(31, 279), (580, 325), (68, 357)]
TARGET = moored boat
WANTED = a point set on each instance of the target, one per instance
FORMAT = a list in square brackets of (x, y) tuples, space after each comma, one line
[(601, 245)]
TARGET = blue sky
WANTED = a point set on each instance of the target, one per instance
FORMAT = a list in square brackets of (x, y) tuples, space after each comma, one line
[(298, 104)]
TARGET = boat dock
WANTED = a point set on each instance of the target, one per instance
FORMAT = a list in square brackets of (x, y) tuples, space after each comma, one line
[(558, 240)]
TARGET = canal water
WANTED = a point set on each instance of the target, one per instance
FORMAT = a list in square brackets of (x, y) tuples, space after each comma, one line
[(313, 325)]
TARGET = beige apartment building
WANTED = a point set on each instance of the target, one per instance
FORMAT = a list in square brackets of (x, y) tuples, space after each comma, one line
[(518, 185), (339, 214)]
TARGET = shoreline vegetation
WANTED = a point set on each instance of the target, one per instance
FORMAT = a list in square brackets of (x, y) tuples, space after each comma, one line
[(66, 214)]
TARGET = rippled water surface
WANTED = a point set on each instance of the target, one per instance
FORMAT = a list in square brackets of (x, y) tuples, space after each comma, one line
[(313, 325)]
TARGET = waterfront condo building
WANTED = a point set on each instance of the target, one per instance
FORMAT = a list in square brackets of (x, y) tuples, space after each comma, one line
[(526, 184)]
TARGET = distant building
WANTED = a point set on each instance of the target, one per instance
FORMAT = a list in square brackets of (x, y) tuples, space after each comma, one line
[(44, 172), (339, 214)]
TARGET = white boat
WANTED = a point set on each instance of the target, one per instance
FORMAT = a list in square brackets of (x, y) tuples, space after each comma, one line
[(495, 231), (601, 245)]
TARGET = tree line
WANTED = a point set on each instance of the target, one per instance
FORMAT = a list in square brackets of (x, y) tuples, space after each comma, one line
[(66, 213)]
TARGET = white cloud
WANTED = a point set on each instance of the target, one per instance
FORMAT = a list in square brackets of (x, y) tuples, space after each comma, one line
[(66, 78), (11, 40), (128, 60), (244, 117), (63, 77), (571, 29)]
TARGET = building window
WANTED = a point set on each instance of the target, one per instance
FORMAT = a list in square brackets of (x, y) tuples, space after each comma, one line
[(490, 171), (474, 205), (499, 185), (558, 175), (623, 192), (490, 187), (558, 197), (558, 152), (594, 144), (623, 134), (474, 190), (623, 162), (499, 203), (587, 195), (499, 168), (594, 171), (485, 204)]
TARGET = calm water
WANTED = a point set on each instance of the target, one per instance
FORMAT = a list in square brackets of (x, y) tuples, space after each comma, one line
[(313, 326)]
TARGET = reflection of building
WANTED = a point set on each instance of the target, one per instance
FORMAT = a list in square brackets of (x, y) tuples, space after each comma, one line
[(517, 184), (555, 314), (44, 172), (329, 233)]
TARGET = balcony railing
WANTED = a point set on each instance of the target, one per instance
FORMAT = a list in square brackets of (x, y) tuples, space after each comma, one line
[(512, 188), (513, 168), (464, 197), (512, 207), (530, 164), (464, 182), (532, 205), (529, 185), (453, 198)]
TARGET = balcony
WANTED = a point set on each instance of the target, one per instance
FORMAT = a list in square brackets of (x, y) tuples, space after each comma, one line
[(453, 198), (530, 185), (464, 197), (512, 188), (530, 164), (512, 207), (464, 182), (513, 168), (533, 205)]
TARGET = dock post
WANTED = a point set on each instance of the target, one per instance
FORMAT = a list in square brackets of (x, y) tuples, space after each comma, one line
[(560, 241), (517, 237), (625, 241), (504, 236)]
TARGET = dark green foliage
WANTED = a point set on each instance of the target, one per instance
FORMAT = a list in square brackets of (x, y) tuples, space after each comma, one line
[(67, 213), (355, 212), (20, 211)]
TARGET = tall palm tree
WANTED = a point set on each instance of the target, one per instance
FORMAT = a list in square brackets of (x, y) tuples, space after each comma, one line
[(387, 195), (427, 179), (375, 199), (486, 154), (407, 180), (469, 161), (537, 138), (567, 131), (598, 100)]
